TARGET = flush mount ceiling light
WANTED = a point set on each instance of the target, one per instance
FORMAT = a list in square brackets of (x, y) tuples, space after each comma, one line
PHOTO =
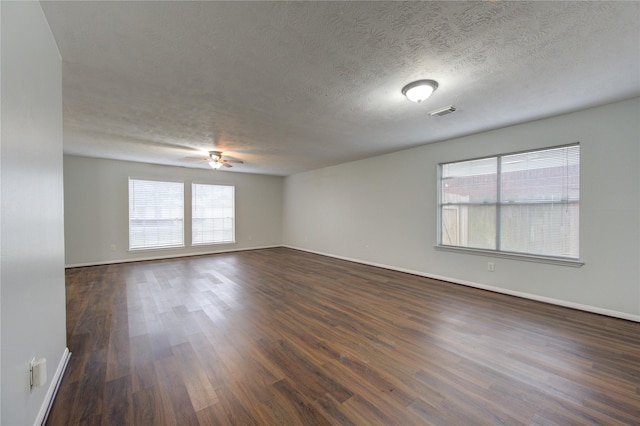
[(419, 90)]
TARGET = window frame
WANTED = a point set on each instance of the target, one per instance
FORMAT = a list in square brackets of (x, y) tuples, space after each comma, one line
[(149, 248), (549, 259), (233, 231)]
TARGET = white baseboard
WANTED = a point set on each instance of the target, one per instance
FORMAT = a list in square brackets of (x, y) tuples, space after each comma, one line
[(53, 389), (161, 257), (559, 302)]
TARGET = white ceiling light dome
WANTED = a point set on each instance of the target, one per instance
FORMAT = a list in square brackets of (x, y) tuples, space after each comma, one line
[(420, 90)]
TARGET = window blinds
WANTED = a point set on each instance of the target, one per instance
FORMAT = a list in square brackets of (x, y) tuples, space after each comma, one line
[(213, 215), (522, 203), (156, 214)]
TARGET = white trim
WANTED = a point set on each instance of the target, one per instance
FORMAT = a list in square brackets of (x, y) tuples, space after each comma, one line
[(559, 302), (170, 256), (218, 243), (137, 250), (560, 261), (156, 179), (53, 389)]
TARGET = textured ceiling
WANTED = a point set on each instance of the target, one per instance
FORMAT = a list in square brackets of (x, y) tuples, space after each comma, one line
[(294, 86)]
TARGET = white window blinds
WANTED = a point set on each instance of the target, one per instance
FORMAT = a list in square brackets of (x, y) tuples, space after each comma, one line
[(156, 214), (540, 198), (213, 214), (522, 203)]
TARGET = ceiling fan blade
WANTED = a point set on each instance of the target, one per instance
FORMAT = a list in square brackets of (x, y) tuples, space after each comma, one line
[(234, 161), (226, 164)]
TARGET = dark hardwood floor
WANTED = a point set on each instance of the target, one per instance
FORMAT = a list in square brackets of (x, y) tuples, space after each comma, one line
[(280, 336)]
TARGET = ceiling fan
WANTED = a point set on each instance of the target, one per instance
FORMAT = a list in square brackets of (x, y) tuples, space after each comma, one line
[(216, 161)]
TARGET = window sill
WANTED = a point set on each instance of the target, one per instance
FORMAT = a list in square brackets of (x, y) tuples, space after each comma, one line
[(573, 263), (133, 250), (212, 244)]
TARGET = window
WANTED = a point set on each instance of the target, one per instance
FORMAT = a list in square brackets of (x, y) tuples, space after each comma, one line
[(213, 215), (526, 203), (156, 211)]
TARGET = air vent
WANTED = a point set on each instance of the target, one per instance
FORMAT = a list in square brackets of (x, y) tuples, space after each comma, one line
[(443, 111)]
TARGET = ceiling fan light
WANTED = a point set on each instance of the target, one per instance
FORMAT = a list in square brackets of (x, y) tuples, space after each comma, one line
[(420, 90), (215, 164)]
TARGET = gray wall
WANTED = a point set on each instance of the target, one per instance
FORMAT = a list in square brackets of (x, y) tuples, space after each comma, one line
[(383, 211), (32, 227), (96, 209)]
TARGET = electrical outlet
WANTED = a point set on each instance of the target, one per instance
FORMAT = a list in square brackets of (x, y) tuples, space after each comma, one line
[(38, 372), (491, 267), (113, 247)]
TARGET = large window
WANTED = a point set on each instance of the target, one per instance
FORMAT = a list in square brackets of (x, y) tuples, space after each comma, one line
[(213, 215), (156, 214), (526, 203)]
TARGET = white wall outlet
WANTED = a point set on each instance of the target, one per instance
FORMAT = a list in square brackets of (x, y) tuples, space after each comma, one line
[(491, 267), (38, 372), (113, 247)]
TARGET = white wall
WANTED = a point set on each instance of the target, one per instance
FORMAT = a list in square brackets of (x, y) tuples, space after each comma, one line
[(32, 228), (383, 211), (96, 208)]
